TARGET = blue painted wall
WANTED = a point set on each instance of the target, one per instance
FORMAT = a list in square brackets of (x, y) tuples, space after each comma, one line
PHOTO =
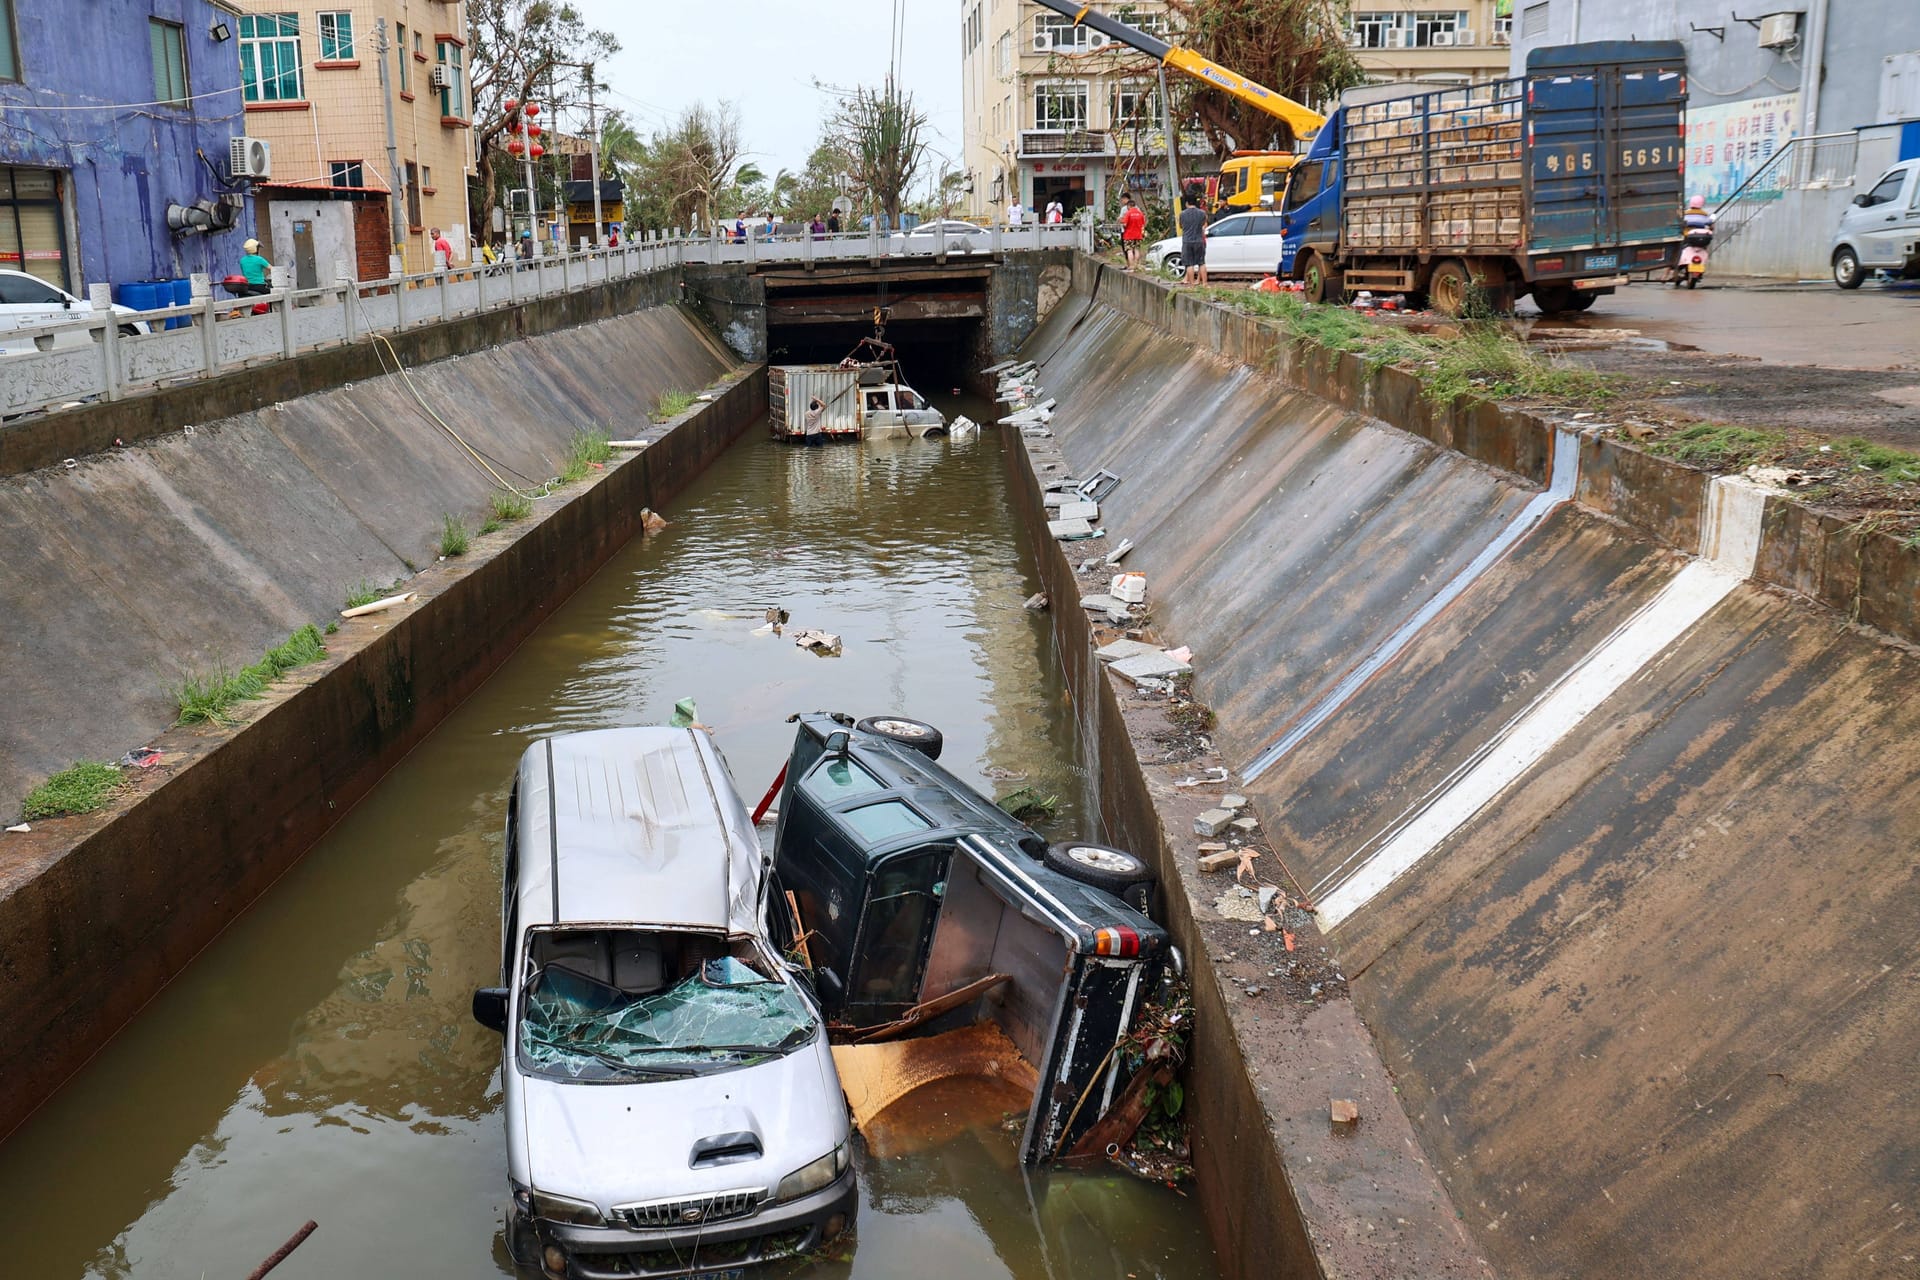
[(86, 73)]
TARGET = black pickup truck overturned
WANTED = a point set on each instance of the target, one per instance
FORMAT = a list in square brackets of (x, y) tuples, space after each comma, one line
[(918, 904)]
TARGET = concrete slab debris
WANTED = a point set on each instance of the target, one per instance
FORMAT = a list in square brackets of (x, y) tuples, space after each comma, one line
[(1234, 802), (1220, 861), (1246, 826), (1119, 553), (1101, 604), (1114, 650), (1344, 1113), (1079, 510), (1036, 602), (821, 642), (1069, 529), (1238, 903), (1152, 666), (1212, 822)]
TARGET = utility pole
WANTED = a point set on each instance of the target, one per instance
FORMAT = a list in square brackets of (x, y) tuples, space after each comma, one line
[(396, 182), (526, 160), (593, 154), (1173, 149)]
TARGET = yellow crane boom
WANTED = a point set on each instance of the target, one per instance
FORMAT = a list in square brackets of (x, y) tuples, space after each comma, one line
[(1303, 120)]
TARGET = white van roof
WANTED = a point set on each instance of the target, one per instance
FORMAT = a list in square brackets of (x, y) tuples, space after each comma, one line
[(637, 825)]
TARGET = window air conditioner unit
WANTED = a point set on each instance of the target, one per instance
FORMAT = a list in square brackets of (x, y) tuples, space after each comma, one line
[(1442, 39), (1042, 41), (1356, 39), (1464, 37), (249, 158), (1779, 30), (1501, 38), (1098, 39), (442, 77)]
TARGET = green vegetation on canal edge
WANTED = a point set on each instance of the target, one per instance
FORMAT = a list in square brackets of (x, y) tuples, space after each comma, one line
[(207, 699)]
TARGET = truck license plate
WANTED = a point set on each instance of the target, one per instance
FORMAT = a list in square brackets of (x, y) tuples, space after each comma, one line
[(1597, 261)]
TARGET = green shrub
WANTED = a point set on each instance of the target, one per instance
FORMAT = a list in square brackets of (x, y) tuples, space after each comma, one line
[(507, 505), (672, 404), (453, 535), (80, 789), (207, 699), (362, 592), (1713, 444), (585, 449)]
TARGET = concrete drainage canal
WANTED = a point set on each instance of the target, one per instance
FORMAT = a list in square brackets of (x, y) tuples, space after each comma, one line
[(319, 1060)]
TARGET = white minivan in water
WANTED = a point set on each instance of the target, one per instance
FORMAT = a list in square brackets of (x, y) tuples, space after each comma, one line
[(671, 1102)]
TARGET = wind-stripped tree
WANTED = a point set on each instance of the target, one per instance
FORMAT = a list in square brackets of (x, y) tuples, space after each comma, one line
[(1296, 47), (523, 49), (881, 135)]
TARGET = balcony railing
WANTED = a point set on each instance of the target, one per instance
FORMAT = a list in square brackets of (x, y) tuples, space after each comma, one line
[(1065, 142)]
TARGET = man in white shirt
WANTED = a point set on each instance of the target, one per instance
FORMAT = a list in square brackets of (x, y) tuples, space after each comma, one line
[(1015, 213)]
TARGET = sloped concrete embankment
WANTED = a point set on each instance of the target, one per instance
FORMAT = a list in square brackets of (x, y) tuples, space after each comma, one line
[(201, 549), (1611, 836), (142, 565)]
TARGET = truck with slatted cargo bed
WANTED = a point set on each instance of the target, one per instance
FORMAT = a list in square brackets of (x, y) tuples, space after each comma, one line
[(1560, 183)]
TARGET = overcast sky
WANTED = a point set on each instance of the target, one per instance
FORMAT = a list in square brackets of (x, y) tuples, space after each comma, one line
[(764, 55)]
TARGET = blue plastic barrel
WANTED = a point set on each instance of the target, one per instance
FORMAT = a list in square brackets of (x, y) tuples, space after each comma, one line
[(141, 295), (182, 296)]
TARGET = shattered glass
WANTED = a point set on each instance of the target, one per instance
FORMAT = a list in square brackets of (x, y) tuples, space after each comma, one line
[(576, 1027)]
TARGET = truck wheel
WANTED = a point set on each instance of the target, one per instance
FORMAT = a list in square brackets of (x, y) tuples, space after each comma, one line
[(1583, 299), (1323, 283), (1450, 288), (1118, 872), (919, 735), (1552, 299), (1846, 268)]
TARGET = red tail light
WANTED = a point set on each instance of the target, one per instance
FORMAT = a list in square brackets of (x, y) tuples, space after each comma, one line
[(1120, 941)]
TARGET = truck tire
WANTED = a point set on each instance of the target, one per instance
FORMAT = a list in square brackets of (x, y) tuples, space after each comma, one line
[(918, 734), (1322, 281), (1120, 873), (1846, 268), (1450, 288)]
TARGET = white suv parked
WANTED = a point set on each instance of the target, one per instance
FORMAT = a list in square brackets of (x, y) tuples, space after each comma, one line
[(671, 1102)]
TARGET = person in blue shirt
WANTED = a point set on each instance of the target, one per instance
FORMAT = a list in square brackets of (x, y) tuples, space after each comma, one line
[(255, 269)]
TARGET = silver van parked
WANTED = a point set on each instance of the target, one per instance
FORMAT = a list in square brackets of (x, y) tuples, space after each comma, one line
[(1880, 230), (671, 1103)]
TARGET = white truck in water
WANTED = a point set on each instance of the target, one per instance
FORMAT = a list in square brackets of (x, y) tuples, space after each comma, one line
[(862, 397)]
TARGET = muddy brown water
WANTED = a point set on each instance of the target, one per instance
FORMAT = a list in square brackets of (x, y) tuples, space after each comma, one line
[(319, 1060)]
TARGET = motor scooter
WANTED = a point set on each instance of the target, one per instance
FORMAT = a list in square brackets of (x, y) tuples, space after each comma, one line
[(1692, 263)]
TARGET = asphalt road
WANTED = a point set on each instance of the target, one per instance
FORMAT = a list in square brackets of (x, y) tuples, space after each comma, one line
[(1813, 323)]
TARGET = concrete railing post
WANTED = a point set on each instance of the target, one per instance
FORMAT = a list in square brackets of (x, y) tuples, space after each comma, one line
[(440, 283), (202, 286), (397, 278), (284, 306), (996, 229), (343, 277), (100, 297)]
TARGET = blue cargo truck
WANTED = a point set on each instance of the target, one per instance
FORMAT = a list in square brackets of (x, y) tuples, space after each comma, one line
[(1557, 184)]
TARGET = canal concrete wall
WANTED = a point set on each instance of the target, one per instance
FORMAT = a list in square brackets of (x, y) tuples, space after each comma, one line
[(1598, 773), (189, 552)]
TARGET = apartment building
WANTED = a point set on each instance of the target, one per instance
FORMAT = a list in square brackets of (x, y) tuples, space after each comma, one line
[(1052, 111), (311, 78), (1398, 41)]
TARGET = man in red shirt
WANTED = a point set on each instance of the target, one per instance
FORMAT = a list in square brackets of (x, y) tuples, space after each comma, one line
[(442, 245), (1133, 229)]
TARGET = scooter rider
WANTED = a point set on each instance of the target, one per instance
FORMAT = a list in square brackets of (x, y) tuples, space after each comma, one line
[(1696, 227)]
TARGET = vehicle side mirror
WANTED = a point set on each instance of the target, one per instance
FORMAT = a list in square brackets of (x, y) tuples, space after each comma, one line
[(490, 1008), (837, 743), (1863, 200)]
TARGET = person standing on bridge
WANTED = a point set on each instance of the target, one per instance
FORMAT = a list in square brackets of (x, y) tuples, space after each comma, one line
[(443, 247), (1133, 229), (1015, 213)]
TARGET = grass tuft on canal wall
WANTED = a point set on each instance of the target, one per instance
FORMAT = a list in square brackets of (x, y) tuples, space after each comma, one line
[(209, 698)]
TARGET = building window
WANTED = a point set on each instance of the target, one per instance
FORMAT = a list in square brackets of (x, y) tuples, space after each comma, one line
[(346, 173), (426, 177), (1377, 30), (1136, 104), (1533, 20), (1446, 25), (9, 52), (406, 63), (169, 62), (336, 36), (451, 102), (1054, 32), (32, 231), (270, 57), (1060, 104), (413, 195), (1003, 54), (1156, 25)]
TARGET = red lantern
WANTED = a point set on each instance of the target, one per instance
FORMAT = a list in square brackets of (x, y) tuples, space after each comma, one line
[(537, 151), (510, 106), (533, 131), (515, 146), (533, 108)]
